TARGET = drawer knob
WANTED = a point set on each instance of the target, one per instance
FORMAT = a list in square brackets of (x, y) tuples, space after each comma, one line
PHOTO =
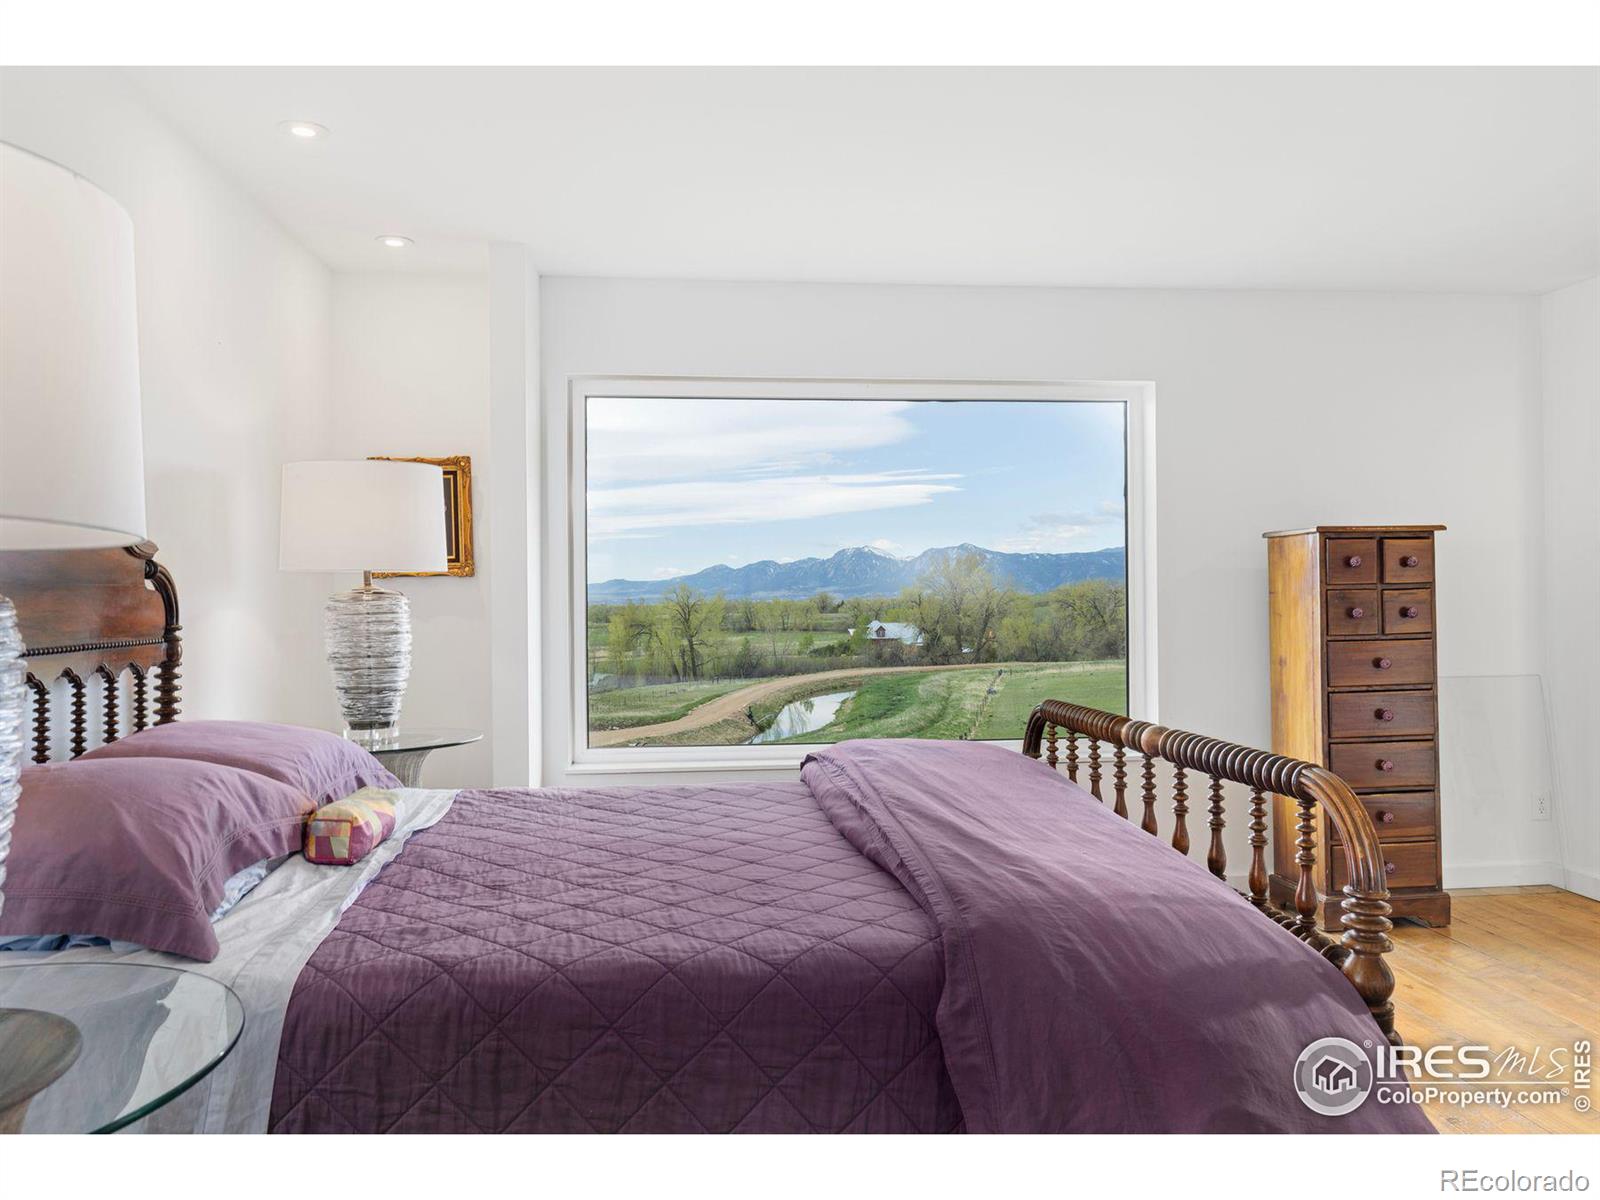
[(1408, 610), (1357, 613), (1389, 868), (1353, 561), (1384, 714), (1383, 664), (1385, 764), (1408, 560), (1386, 817)]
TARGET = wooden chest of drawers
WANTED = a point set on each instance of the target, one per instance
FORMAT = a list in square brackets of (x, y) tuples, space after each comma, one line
[(1355, 688)]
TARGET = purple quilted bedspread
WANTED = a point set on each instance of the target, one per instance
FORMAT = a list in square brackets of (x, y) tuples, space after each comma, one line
[(631, 959), (916, 937), (1095, 981)]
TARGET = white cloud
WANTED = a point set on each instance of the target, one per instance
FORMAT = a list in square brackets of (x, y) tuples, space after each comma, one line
[(668, 572), (1054, 533), (625, 511), (637, 439)]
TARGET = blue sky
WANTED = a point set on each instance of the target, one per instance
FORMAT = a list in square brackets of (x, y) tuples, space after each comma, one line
[(679, 485)]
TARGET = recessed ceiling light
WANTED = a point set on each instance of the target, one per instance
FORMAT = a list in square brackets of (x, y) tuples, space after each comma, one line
[(394, 241), (305, 131)]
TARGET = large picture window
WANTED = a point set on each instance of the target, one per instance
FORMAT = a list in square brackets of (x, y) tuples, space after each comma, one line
[(782, 571)]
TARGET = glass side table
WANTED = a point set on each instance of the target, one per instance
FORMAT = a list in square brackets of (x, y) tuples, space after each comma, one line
[(403, 750), (146, 1036)]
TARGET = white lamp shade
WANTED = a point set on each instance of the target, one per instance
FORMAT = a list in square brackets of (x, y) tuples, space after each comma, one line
[(362, 515), (71, 442)]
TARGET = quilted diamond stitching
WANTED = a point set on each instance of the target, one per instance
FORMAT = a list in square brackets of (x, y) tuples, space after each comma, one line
[(655, 945)]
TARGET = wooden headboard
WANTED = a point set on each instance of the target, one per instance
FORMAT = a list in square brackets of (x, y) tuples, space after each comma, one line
[(98, 618)]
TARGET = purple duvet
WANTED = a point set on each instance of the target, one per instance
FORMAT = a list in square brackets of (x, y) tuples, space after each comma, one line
[(916, 937)]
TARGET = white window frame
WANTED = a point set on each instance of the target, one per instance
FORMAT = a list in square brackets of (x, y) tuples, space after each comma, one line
[(1141, 538)]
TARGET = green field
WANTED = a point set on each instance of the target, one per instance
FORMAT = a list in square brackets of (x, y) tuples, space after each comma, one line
[(1094, 685), (628, 707), (983, 702)]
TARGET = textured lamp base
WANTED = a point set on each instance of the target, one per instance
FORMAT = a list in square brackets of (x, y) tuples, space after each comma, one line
[(13, 707), (367, 635)]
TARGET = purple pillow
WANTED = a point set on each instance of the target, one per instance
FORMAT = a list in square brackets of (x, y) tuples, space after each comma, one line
[(139, 850), (324, 765)]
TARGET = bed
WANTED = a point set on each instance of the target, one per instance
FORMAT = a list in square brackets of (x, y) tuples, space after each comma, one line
[(912, 937)]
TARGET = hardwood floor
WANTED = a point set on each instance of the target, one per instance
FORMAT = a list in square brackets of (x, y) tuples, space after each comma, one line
[(1517, 967)]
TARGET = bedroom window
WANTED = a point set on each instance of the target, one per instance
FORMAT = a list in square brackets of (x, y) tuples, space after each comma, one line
[(762, 567)]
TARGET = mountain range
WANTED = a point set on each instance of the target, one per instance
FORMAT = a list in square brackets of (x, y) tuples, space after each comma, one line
[(865, 571)]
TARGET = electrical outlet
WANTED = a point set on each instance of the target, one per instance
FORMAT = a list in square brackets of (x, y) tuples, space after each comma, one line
[(1541, 808)]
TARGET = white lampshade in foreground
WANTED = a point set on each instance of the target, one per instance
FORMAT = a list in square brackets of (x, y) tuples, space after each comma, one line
[(362, 516), (71, 438), (71, 442)]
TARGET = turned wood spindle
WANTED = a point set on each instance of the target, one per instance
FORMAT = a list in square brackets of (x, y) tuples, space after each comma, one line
[(41, 719), (108, 703), (80, 715), (1119, 777), (141, 700), (1072, 755), (168, 687), (1216, 856), (1258, 848), (1180, 810), (1366, 936), (1148, 823), (1050, 758), (1094, 769), (1305, 890)]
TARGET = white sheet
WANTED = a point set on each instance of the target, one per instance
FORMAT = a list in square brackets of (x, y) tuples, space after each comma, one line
[(265, 941)]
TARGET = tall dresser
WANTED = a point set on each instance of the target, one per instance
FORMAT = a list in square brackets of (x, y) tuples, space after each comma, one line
[(1355, 689)]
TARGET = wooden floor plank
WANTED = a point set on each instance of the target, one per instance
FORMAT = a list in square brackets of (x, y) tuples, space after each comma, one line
[(1517, 967)]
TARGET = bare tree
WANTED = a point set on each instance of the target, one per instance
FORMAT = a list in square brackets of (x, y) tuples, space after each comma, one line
[(772, 619), (692, 619), (959, 608)]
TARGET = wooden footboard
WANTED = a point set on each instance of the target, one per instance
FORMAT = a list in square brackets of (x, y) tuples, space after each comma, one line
[(1359, 952)]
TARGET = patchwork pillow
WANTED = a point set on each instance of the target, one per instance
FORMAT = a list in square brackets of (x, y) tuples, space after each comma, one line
[(140, 850), (323, 765), (346, 831)]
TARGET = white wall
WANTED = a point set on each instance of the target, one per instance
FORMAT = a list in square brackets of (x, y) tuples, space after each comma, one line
[(411, 377), (1274, 410), (254, 354), (234, 360), (1570, 324)]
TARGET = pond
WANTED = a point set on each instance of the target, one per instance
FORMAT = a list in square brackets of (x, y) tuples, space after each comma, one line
[(802, 716)]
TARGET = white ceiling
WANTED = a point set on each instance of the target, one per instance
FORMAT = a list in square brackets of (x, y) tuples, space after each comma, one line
[(1415, 179)]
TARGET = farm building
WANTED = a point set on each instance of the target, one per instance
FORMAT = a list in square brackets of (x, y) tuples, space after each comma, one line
[(903, 632)]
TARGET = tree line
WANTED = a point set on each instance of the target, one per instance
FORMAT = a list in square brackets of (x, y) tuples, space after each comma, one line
[(961, 611)]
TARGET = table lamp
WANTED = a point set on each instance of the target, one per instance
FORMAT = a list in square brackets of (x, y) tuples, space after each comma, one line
[(71, 440), (364, 516)]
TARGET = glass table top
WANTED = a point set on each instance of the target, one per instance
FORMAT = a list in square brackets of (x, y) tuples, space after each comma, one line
[(413, 737), (149, 1034)]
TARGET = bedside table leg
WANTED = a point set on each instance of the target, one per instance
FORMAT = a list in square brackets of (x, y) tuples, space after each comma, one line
[(406, 764)]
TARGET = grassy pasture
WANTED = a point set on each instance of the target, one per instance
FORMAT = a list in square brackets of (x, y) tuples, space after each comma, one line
[(1094, 685), (959, 704), (980, 702), (627, 707)]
